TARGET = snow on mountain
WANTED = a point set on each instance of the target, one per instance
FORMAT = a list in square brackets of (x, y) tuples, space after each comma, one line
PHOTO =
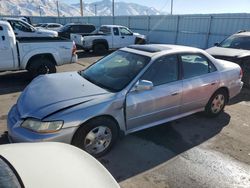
[(49, 8), (103, 8)]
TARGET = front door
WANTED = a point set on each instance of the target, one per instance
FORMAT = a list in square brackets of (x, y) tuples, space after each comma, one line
[(127, 37), (7, 61), (152, 107)]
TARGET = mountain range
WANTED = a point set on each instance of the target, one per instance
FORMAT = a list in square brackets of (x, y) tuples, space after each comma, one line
[(49, 8)]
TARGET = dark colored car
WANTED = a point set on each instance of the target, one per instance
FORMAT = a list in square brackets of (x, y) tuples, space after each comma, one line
[(235, 48), (66, 30)]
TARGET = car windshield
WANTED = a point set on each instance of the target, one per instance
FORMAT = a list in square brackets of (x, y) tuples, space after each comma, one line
[(8, 178), (116, 71), (64, 28), (237, 42)]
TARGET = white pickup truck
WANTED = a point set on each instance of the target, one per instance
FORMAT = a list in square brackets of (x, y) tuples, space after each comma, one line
[(108, 37), (37, 55)]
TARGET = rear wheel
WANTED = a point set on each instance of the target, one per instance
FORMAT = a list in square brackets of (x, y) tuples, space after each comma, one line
[(41, 66), (100, 49), (216, 103), (96, 136), (246, 74)]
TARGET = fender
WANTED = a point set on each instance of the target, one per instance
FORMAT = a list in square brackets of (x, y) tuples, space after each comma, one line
[(36, 52)]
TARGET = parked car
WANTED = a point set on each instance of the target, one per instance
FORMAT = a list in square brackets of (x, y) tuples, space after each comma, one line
[(24, 29), (129, 90), (51, 26), (108, 37), (51, 165), (82, 29), (37, 55), (235, 48)]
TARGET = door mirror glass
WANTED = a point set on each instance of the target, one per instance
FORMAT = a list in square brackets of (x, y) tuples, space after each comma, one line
[(143, 85)]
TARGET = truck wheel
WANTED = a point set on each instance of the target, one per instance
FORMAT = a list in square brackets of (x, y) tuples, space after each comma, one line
[(140, 41), (246, 74), (41, 66), (97, 136), (100, 49)]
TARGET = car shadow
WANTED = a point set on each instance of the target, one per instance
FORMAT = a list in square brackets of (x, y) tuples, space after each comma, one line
[(11, 82), (4, 138), (149, 148), (83, 54)]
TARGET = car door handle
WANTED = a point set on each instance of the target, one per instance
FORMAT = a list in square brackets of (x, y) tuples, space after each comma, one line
[(174, 94), (16, 33), (122, 37), (213, 83)]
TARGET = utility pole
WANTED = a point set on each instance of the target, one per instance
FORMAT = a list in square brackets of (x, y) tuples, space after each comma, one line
[(40, 10), (113, 7), (172, 4), (81, 7), (57, 6), (95, 9)]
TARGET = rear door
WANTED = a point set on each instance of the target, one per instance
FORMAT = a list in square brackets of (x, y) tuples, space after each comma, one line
[(151, 107), (200, 81), (6, 53)]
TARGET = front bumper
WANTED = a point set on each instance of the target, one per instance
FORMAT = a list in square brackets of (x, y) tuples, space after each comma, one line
[(16, 133), (74, 58)]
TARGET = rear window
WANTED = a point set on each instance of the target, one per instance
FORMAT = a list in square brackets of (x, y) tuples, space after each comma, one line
[(236, 42), (8, 178), (87, 28)]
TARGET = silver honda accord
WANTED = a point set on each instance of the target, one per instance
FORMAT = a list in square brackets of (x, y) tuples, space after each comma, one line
[(134, 88)]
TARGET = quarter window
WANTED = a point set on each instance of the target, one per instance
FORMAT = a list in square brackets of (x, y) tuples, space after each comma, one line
[(116, 31), (162, 71), (196, 65)]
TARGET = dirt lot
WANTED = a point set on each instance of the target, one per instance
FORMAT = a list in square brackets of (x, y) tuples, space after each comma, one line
[(192, 152)]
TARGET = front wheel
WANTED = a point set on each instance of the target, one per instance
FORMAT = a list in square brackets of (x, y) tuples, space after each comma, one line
[(216, 104), (96, 136), (100, 49)]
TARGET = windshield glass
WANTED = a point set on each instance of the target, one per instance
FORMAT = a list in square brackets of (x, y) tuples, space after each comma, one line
[(8, 178), (64, 28), (116, 71), (237, 42)]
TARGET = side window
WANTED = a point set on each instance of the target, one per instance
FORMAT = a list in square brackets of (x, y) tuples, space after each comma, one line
[(20, 26), (74, 29), (116, 31), (162, 71), (195, 65), (125, 31), (1, 28)]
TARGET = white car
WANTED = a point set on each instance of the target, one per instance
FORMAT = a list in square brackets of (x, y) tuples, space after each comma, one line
[(50, 26), (51, 165), (23, 29)]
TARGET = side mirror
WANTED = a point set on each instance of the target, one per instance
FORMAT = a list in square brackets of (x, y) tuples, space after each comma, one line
[(143, 85), (216, 44)]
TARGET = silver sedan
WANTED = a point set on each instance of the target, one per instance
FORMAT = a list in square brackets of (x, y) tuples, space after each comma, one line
[(129, 90)]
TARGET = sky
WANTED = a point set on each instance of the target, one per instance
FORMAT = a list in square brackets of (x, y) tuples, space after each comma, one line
[(189, 6)]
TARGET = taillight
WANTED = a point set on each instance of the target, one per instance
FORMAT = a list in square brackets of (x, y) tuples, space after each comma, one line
[(241, 73), (74, 48)]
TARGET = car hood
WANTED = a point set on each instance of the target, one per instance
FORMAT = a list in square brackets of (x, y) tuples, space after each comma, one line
[(139, 35), (52, 93), (229, 52)]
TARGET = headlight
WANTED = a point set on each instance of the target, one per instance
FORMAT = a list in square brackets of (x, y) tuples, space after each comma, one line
[(42, 127)]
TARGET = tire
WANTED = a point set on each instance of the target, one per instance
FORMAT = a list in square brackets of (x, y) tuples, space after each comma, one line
[(140, 41), (40, 66), (246, 74), (100, 49), (216, 104), (102, 132)]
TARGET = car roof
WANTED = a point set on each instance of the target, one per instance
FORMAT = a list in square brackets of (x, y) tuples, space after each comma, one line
[(79, 24), (56, 165), (244, 33), (157, 49), (112, 26)]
